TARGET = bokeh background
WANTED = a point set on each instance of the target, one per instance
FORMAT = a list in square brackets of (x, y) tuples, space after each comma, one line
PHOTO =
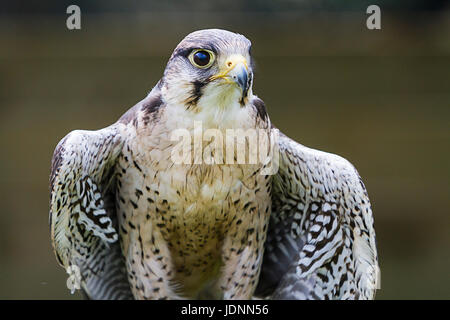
[(379, 98)]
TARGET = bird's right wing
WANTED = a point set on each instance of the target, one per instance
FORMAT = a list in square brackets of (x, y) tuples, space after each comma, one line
[(82, 213)]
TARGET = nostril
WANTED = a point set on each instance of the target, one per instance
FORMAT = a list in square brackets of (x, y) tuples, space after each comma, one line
[(229, 64)]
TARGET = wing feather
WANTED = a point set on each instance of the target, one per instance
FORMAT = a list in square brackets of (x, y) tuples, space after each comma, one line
[(321, 238), (82, 213)]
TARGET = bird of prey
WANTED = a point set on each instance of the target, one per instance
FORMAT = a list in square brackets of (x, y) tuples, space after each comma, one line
[(129, 222)]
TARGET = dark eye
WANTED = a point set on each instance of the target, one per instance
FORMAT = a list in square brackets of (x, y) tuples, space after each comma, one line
[(201, 58)]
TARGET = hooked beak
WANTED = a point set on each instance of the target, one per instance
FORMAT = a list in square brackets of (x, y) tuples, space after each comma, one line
[(240, 75), (235, 71)]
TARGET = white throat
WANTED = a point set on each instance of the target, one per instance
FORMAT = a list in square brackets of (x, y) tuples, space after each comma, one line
[(218, 107)]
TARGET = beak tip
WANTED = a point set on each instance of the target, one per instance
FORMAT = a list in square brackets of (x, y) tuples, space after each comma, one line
[(241, 79)]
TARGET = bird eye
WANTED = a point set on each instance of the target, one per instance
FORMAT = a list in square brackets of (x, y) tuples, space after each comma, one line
[(201, 58)]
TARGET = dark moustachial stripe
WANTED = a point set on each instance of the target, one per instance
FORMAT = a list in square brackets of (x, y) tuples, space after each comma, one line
[(196, 93)]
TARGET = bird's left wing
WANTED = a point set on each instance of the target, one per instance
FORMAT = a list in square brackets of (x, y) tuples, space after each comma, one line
[(321, 239), (82, 213)]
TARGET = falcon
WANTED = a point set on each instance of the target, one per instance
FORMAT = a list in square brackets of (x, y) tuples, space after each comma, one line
[(129, 222)]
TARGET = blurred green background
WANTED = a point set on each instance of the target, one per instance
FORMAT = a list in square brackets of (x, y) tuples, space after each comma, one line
[(379, 98)]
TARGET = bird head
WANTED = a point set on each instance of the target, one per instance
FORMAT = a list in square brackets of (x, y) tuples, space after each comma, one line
[(209, 69)]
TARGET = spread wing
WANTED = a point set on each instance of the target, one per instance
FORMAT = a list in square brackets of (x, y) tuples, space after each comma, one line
[(82, 213), (321, 239)]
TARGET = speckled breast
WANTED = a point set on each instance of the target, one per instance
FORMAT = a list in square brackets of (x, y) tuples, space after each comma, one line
[(182, 214)]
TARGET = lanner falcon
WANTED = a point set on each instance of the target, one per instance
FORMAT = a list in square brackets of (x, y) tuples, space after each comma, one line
[(129, 222)]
